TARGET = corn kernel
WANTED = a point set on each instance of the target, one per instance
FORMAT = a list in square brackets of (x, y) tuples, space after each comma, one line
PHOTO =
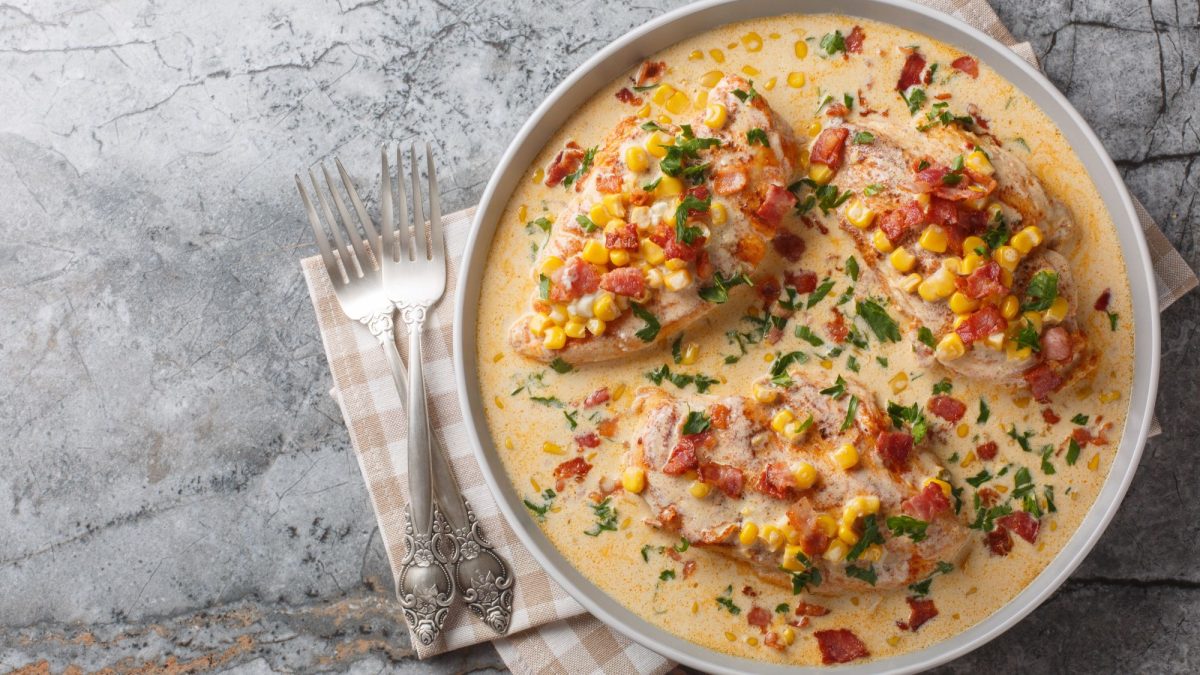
[(677, 280), (752, 41), (575, 329), (1010, 306), (938, 482), (539, 323), (881, 243), (711, 78), (1058, 310), (970, 244), (618, 257), (772, 537), (730, 636), (696, 55), (699, 490), (1015, 353), (814, 128), (978, 162), (701, 100), (961, 304), (598, 214), (826, 364), (605, 308), (789, 561), (717, 213), (668, 186), (652, 252), (962, 430), (1025, 240), (837, 550), (1035, 319), (594, 252), (596, 326), (1094, 462), (827, 525), (801, 49), (937, 286), (664, 120), (873, 553), (555, 338), (933, 239), (902, 260), (678, 103), (1021, 402), (717, 55), (788, 635), (781, 420), (552, 448), (970, 263), (633, 479), (748, 534), (770, 84), (657, 145), (950, 347), (805, 475), (846, 456), (910, 283), (859, 214), (690, 353), (1007, 257), (899, 382), (1110, 396), (549, 264), (661, 93), (644, 111), (820, 174), (750, 70), (923, 201), (637, 159)]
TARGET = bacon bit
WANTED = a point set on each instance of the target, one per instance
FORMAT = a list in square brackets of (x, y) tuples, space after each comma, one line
[(775, 205), (1042, 381), (987, 451), (790, 246), (827, 149), (672, 554), (947, 408), (759, 617), (573, 280), (624, 95), (750, 248), (981, 324), (802, 623), (749, 591), (988, 497), (718, 416), (729, 180), (626, 281), (669, 519), (854, 40), (704, 268), (609, 183), (607, 428), (650, 73), (802, 281), (840, 645), (921, 611), (768, 291), (597, 397), (837, 327), (772, 640), (699, 192), (814, 225), (980, 121), (930, 178), (588, 440), (689, 568), (664, 236), (729, 479), (814, 543), (1021, 524), (564, 163), (911, 73), (640, 197), (571, 469), (999, 542), (624, 237), (1049, 416), (984, 281), (1102, 301), (683, 456), (1083, 437), (894, 447), (777, 481), (807, 609), (1056, 344), (897, 222), (837, 110), (927, 503), (943, 96), (966, 64)]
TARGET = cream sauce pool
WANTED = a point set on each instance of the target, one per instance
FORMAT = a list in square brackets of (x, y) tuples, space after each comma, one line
[(631, 564)]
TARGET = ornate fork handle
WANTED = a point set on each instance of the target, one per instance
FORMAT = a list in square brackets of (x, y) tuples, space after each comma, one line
[(484, 578)]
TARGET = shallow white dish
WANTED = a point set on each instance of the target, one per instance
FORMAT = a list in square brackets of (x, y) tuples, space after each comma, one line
[(622, 55)]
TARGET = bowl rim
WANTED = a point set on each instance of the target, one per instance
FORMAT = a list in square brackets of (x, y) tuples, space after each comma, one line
[(625, 52)]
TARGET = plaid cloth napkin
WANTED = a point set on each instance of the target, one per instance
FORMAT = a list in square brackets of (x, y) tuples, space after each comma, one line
[(550, 632)]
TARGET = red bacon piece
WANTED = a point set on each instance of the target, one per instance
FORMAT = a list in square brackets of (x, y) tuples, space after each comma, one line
[(854, 40), (759, 617), (827, 149), (607, 428), (999, 542), (689, 568), (1102, 301), (947, 408), (768, 291), (984, 281), (573, 280), (1042, 381), (597, 397), (788, 245), (920, 611), (625, 281), (1021, 524), (1056, 344), (966, 64), (806, 609), (894, 448), (664, 236), (718, 416), (929, 178), (683, 455), (564, 163), (624, 95), (837, 327), (624, 237), (988, 497), (588, 440), (840, 645), (777, 481), (910, 74), (574, 469), (729, 479), (650, 72), (803, 282), (1049, 416), (609, 183), (699, 192), (981, 324), (775, 205), (837, 110), (927, 503), (896, 223), (987, 451)]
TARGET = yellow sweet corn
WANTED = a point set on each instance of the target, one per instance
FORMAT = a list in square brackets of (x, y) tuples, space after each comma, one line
[(827, 525), (752, 41), (952, 264), (605, 308), (678, 103), (805, 475), (770, 84), (1009, 307), (902, 260), (652, 252), (711, 78), (633, 479), (977, 161), (717, 55), (1035, 319), (701, 101), (847, 534), (558, 314), (690, 353), (950, 347), (594, 252), (881, 242), (618, 257), (940, 483), (717, 213), (657, 144), (575, 329), (750, 70), (801, 49), (748, 534), (765, 393), (781, 420), (788, 635), (814, 128), (1007, 257), (873, 553), (933, 239), (596, 326), (859, 214), (677, 280), (696, 55), (961, 304), (549, 264), (539, 323), (552, 448), (676, 264), (1057, 311), (699, 490), (846, 456), (1025, 240), (970, 244), (910, 283), (598, 214), (789, 561), (899, 382), (668, 186), (662, 93), (820, 174), (772, 537), (637, 159), (555, 338), (796, 80), (936, 286), (837, 550), (970, 263), (1015, 353)]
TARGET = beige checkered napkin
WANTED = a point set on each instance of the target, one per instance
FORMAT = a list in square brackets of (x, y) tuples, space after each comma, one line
[(550, 631)]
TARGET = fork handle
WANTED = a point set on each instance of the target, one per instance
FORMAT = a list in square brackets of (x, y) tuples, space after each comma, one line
[(420, 473)]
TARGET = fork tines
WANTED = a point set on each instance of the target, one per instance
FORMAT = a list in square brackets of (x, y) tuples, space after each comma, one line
[(403, 242)]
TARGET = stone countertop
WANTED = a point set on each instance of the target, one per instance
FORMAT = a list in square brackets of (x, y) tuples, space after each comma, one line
[(179, 489)]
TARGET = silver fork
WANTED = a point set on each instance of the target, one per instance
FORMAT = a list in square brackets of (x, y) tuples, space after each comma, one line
[(414, 279), (424, 587)]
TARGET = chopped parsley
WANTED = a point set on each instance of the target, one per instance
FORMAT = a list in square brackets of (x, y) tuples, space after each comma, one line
[(852, 268), (873, 189), (543, 223), (649, 187), (866, 574), (539, 511), (979, 478), (744, 96), (862, 138), (683, 232), (996, 235), (943, 386), (758, 136), (908, 526), (718, 293), (779, 366), (783, 608), (852, 363), (1022, 439), (985, 519), (681, 380), (838, 389), (819, 293), (810, 576), (561, 366), (650, 331), (925, 336), (870, 535), (586, 223), (910, 415), (543, 287), (1043, 289), (984, 412), (606, 518), (1079, 419), (851, 410), (832, 43), (914, 98), (921, 588), (827, 197), (666, 575), (805, 333), (725, 601), (1047, 453), (589, 156), (696, 423), (1112, 320), (1028, 337)]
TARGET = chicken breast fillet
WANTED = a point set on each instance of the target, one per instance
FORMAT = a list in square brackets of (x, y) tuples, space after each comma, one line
[(661, 223), (784, 499), (961, 234)]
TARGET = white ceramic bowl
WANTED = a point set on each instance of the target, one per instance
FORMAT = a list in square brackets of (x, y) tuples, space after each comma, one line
[(626, 52)]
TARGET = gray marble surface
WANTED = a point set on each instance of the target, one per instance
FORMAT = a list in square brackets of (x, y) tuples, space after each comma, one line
[(178, 490)]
